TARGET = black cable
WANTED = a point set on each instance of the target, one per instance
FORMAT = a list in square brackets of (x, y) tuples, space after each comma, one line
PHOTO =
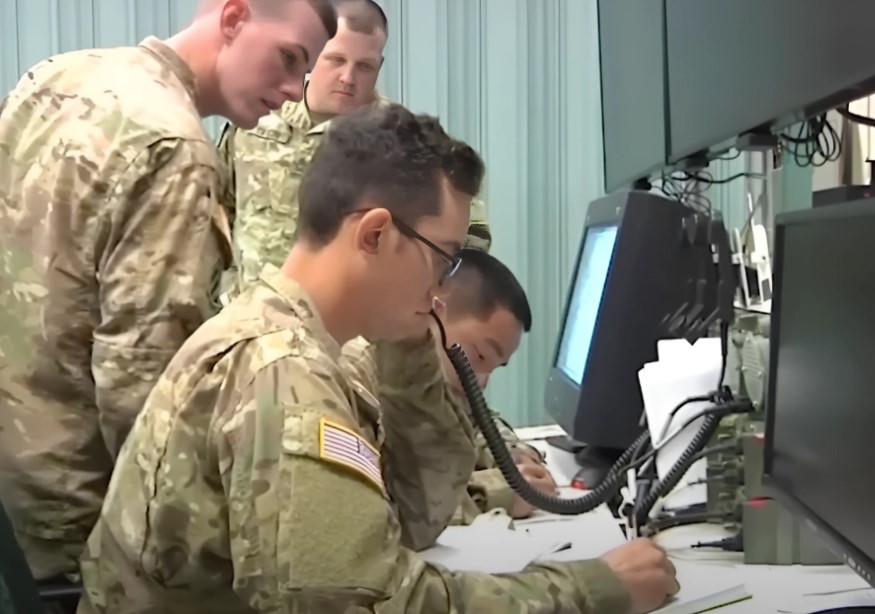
[(712, 181), (816, 142), (671, 479), (724, 354), (643, 506), (734, 543), (857, 119), (726, 447), (699, 399), (690, 193), (503, 459), (718, 410), (680, 520)]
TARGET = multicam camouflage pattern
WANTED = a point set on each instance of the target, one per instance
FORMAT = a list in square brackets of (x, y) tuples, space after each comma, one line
[(487, 489), (263, 169), (110, 241), (223, 499), (429, 448)]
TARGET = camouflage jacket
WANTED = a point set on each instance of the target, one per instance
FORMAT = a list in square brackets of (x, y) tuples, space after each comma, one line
[(110, 242), (487, 489), (263, 168), (256, 479)]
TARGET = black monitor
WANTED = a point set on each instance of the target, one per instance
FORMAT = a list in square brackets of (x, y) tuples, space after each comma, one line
[(635, 269), (631, 58), (820, 429), (739, 65)]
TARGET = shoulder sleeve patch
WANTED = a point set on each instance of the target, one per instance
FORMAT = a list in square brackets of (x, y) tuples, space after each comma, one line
[(342, 446)]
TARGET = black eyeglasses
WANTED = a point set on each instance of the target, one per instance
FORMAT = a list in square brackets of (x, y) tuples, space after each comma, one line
[(453, 262)]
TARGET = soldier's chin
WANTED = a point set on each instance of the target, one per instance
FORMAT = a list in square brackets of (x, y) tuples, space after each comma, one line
[(246, 123)]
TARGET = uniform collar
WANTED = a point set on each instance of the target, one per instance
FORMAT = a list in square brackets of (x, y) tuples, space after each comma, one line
[(298, 115), (300, 303), (172, 61), (295, 114)]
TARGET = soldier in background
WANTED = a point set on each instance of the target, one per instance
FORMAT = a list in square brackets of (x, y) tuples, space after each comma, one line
[(265, 165), (111, 241), (252, 482), (487, 314)]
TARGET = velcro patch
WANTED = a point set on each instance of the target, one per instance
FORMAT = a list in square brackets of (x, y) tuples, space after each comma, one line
[(340, 445)]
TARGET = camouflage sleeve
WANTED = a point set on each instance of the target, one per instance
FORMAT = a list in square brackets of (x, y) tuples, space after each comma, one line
[(265, 167), (429, 448), (487, 488), (227, 176), (519, 450), (313, 532), (479, 235), (155, 272)]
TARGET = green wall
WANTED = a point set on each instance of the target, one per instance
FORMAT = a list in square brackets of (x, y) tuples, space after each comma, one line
[(518, 79)]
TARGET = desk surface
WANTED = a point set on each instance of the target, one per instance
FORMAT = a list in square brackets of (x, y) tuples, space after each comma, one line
[(775, 589)]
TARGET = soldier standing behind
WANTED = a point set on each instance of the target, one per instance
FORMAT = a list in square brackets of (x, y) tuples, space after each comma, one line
[(265, 165), (252, 482), (111, 238)]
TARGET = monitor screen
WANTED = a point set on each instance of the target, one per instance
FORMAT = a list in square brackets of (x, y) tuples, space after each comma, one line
[(586, 297), (632, 246), (821, 419)]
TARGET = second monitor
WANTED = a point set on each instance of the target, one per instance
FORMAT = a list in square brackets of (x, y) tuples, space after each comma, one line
[(640, 268)]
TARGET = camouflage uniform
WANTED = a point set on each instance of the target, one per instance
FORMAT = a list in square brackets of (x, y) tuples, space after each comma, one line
[(263, 168), (252, 482), (487, 488), (110, 240)]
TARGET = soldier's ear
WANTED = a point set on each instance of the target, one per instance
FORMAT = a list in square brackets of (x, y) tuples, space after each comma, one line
[(232, 17), (370, 230)]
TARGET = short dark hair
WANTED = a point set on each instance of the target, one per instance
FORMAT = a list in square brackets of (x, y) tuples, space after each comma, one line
[(325, 9), (327, 15), (363, 16), (386, 154), (483, 284)]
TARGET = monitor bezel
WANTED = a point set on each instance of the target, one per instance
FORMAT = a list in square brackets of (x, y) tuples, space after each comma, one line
[(608, 211), (853, 556)]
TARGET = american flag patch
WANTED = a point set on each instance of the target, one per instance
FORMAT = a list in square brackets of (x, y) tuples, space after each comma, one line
[(338, 444)]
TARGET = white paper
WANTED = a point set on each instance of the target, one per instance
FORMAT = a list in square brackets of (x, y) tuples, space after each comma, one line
[(683, 371), (489, 546), (704, 587), (798, 589), (464, 549), (672, 350)]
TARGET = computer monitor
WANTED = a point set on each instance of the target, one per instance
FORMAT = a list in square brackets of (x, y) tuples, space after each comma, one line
[(633, 84), (739, 65), (820, 420), (635, 269)]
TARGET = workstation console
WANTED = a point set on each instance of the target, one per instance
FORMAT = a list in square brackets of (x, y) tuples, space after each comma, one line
[(753, 76)]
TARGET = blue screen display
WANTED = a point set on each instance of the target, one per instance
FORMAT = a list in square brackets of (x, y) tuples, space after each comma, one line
[(586, 297)]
